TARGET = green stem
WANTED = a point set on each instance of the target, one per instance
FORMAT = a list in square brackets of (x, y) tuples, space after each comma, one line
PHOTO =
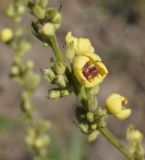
[(116, 143), (56, 49)]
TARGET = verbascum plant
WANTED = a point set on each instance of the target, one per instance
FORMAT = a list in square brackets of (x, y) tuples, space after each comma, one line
[(37, 138), (80, 71)]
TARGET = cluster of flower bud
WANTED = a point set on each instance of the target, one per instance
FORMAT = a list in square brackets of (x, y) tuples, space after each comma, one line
[(49, 19), (24, 74), (38, 139), (90, 122), (16, 10), (134, 138), (56, 75)]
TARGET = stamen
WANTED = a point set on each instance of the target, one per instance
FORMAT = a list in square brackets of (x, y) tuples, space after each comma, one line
[(90, 71)]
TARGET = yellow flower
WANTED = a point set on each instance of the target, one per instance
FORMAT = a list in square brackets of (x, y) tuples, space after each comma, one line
[(114, 106), (82, 46), (89, 70), (6, 34)]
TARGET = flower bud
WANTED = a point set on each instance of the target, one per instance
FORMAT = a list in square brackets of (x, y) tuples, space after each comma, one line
[(54, 94), (31, 80), (65, 93), (10, 12), (30, 64), (57, 18), (58, 68), (90, 116), (70, 51), (21, 9), (44, 3), (49, 75), (61, 80), (24, 47), (94, 126), (82, 46), (38, 12), (84, 128), (14, 71), (92, 136), (6, 35), (47, 29), (101, 124), (134, 134), (39, 142)]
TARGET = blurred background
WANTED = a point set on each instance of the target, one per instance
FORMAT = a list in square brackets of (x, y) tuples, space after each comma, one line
[(117, 31)]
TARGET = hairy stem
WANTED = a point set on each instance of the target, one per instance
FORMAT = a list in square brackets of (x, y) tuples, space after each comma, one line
[(107, 134)]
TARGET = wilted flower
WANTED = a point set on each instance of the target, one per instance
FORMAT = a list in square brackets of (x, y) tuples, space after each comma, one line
[(89, 70), (114, 106)]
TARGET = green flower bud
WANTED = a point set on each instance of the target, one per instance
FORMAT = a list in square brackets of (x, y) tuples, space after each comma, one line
[(43, 3), (38, 12), (49, 75), (14, 71), (27, 107), (90, 117), (101, 112), (21, 9), (47, 29), (94, 126), (10, 12), (70, 51), (50, 13), (26, 96), (30, 64), (61, 80), (39, 143), (102, 124), (23, 48), (92, 136), (54, 94), (58, 68), (84, 128), (57, 17), (31, 80), (65, 92)]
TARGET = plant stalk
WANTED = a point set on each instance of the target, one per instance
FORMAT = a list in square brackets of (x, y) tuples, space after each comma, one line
[(111, 138)]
